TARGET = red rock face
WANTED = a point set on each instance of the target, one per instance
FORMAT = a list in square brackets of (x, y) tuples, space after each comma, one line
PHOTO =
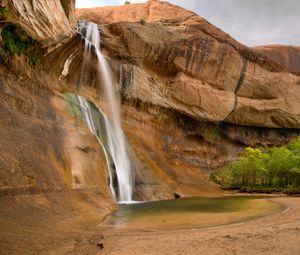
[(288, 56), (196, 68), (193, 97), (49, 22), (169, 62)]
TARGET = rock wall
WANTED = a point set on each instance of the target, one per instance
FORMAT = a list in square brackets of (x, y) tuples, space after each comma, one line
[(44, 148), (192, 99), (192, 94), (51, 166), (288, 56), (195, 67), (170, 64), (49, 22)]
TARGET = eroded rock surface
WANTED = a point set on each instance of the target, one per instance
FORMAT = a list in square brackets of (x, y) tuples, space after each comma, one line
[(288, 56), (186, 87), (51, 185), (49, 22), (196, 68), (192, 99)]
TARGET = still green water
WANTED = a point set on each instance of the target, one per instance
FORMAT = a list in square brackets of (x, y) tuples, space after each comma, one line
[(190, 213)]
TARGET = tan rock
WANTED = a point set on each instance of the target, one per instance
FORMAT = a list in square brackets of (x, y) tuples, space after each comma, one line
[(288, 56), (198, 69), (49, 22), (195, 97), (267, 99)]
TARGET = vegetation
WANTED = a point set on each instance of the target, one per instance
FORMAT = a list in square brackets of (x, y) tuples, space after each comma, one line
[(74, 104), (266, 170), (16, 41), (2, 10), (126, 2)]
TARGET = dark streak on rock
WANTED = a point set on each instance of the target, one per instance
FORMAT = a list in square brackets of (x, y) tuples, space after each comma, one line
[(238, 86)]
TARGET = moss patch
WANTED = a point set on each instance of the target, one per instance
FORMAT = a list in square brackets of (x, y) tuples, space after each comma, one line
[(3, 10), (15, 40)]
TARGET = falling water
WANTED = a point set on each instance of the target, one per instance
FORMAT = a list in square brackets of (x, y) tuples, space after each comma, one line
[(87, 115), (115, 137)]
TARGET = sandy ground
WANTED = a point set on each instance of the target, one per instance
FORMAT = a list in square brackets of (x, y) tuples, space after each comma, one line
[(275, 234), (79, 233), (55, 223)]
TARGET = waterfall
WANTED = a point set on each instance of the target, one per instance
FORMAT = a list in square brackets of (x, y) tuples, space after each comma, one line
[(116, 142), (87, 115)]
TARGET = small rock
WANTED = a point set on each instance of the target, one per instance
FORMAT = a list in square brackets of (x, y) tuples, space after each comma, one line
[(100, 245)]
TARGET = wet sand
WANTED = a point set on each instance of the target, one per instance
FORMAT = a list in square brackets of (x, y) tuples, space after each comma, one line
[(275, 234)]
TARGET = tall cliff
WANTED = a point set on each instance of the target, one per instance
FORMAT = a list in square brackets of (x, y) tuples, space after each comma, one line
[(198, 66), (52, 171), (192, 96), (192, 99)]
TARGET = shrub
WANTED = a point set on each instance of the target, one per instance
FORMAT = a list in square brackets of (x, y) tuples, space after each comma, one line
[(3, 10), (276, 168), (142, 22)]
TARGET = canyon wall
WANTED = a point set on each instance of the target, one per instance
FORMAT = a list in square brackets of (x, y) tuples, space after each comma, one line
[(194, 66), (44, 146), (192, 99), (192, 96), (288, 56), (53, 174), (49, 22)]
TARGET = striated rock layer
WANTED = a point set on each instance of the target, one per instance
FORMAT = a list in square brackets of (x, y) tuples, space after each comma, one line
[(192, 99), (288, 56), (49, 22), (195, 67), (192, 96)]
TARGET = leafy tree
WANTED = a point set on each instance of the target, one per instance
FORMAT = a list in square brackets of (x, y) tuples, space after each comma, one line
[(270, 168)]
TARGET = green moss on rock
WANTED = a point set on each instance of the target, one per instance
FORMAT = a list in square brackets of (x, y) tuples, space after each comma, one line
[(16, 40)]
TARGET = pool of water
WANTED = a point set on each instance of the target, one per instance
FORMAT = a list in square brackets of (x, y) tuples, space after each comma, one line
[(192, 213)]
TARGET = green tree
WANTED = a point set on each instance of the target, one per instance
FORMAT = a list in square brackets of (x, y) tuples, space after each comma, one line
[(269, 168)]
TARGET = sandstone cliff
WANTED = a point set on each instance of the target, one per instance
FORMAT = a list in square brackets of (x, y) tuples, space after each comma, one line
[(195, 67), (192, 99), (288, 56), (192, 96), (53, 174), (49, 22)]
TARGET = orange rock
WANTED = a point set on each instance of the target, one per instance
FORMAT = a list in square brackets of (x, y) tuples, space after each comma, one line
[(199, 69)]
